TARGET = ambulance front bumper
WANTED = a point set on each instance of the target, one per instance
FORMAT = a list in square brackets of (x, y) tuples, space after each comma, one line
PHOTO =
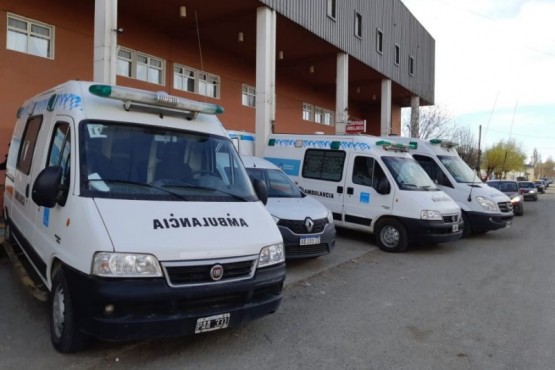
[(141, 308), (433, 231)]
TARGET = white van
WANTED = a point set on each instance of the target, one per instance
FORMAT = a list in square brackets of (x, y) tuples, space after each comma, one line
[(369, 184), (306, 225), (117, 197), (483, 208), (243, 141)]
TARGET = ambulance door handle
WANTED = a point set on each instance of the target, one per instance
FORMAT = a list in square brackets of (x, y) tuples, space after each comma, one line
[(27, 191), (350, 191), (340, 189)]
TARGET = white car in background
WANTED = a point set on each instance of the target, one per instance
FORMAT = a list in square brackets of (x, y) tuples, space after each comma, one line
[(306, 225)]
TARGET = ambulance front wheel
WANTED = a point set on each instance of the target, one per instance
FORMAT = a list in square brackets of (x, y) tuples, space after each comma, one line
[(64, 334), (391, 236)]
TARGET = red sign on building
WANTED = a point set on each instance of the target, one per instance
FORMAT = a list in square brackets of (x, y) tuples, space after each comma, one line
[(355, 127)]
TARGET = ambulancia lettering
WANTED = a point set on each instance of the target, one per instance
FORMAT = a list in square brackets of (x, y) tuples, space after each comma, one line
[(318, 193), (180, 222)]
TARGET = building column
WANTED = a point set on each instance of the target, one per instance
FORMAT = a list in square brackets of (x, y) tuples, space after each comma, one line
[(385, 117), (415, 116), (342, 93), (265, 76), (105, 41)]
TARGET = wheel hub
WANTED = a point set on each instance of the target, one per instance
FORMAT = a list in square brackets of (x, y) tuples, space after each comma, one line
[(390, 236), (58, 308)]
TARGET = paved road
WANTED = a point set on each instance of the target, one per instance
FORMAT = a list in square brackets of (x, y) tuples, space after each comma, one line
[(485, 302)]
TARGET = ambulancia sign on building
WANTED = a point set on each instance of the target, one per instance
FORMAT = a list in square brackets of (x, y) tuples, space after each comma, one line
[(355, 127)]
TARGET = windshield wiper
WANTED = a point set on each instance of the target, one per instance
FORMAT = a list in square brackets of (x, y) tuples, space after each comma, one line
[(144, 184), (208, 188)]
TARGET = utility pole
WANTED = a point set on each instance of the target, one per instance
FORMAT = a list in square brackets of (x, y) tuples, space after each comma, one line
[(479, 151)]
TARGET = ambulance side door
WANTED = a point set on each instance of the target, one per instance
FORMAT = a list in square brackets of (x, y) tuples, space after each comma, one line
[(24, 210), (52, 223), (369, 193)]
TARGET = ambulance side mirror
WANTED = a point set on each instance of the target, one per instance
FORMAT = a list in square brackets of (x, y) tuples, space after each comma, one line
[(47, 186), (261, 190), (383, 186)]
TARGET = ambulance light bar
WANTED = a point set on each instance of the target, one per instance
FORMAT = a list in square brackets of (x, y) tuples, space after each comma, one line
[(390, 145), (444, 143), (158, 99)]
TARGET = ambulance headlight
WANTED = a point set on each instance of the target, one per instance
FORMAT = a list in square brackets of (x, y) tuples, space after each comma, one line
[(430, 215), (125, 265), (271, 255), (487, 204)]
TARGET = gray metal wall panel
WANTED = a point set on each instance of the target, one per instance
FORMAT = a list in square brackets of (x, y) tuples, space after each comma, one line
[(391, 16)]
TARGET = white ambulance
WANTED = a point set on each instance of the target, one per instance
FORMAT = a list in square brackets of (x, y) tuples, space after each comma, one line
[(369, 184), (136, 213), (483, 208)]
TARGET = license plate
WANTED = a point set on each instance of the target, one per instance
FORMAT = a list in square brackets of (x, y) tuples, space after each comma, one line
[(508, 224), (212, 323), (455, 228), (309, 240)]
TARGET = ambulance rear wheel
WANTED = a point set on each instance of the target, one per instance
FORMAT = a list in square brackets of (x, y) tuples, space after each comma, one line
[(391, 236), (64, 334)]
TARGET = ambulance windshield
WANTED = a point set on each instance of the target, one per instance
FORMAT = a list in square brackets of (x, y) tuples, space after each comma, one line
[(129, 161), (408, 174)]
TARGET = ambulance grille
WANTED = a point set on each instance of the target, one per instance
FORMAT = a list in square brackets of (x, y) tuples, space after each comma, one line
[(505, 207), (298, 226), (199, 272)]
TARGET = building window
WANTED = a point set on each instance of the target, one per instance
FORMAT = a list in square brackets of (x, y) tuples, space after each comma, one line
[(184, 78), (308, 112), (411, 65), (140, 66), (379, 41), (150, 69), (358, 25), (248, 97), (209, 85), (332, 9), (31, 37), (397, 54), (323, 116), (195, 81)]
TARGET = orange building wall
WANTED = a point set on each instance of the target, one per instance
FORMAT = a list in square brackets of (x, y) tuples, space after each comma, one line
[(25, 75)]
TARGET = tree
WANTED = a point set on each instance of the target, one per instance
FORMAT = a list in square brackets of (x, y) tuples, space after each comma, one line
[(467, 146), (503, 157), (433, 122)]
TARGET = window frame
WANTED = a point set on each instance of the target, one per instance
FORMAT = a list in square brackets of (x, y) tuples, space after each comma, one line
[(326, 160), (397, 55), (411, 65), (379, 40), (358, 25), (332, 9), (29, 34), (134, 60), (28, 144), (308, 109), (249, 93)]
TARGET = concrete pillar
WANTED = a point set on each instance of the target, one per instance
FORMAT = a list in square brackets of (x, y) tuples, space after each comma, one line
[(341, 93), (265, 76), (105, 41), (415, 116), (385, 117)]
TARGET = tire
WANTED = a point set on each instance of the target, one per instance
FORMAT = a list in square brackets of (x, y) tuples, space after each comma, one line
[(65, 336), (391, 236), (467, 229)]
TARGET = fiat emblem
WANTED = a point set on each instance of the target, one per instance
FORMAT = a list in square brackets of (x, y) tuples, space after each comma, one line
[(309, 224), (216, 272)]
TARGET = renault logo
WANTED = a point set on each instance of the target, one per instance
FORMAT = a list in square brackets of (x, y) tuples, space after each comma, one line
[(309, 224), (216, 272)]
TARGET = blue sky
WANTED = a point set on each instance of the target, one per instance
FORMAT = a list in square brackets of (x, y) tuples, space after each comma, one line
[(495, 67)]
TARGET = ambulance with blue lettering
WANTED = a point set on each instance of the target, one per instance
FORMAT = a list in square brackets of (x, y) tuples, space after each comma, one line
[(369, 184), (135, 213)]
